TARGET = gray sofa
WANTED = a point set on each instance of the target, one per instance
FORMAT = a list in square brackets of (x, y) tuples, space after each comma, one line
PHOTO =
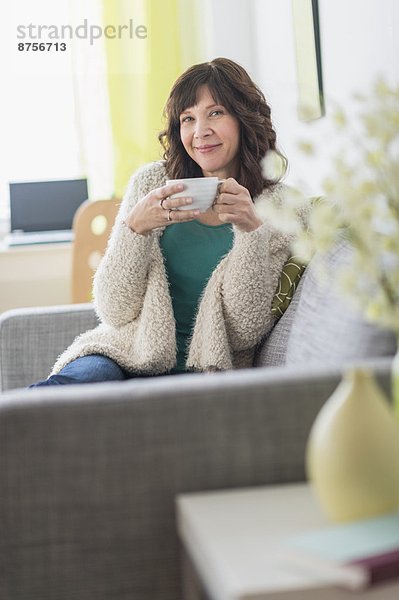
[(88, 474)]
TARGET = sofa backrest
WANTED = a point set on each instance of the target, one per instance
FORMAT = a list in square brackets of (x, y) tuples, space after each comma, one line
[(89, 473), (321, 326)]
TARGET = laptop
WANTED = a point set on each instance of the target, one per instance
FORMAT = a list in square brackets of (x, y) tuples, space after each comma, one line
[(42, 211)]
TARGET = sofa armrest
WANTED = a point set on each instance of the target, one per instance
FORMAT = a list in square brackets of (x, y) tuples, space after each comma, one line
[(32, 338)]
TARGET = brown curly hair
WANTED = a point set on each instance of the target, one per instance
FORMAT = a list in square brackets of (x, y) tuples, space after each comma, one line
[(231, 86)]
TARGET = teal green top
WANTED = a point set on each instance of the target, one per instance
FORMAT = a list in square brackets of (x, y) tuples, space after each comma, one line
[(191, 252)]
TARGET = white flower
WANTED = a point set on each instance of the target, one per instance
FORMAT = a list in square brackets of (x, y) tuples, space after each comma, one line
[(273, 166), (362, 194)]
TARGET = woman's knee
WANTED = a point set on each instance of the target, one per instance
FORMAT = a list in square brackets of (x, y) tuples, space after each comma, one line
[(93, 368)]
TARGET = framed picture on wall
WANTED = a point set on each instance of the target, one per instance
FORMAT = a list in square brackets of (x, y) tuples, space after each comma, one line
[(308, 59)]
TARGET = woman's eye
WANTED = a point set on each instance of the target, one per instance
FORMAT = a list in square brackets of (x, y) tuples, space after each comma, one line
[(186, 119), (217, 112)]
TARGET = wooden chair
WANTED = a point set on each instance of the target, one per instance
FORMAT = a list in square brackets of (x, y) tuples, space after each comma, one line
[(92, 226)]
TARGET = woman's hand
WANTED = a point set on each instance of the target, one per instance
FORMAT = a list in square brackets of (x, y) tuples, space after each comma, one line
[(157, 210), (234, 205)]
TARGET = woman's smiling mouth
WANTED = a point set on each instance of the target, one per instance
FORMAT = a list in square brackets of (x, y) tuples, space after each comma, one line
[(207, 148)]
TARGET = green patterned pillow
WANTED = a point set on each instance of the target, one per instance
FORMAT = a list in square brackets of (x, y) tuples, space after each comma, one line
[(288, 282)]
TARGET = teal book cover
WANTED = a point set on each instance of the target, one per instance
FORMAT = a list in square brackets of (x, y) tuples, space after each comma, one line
[(358, 554)]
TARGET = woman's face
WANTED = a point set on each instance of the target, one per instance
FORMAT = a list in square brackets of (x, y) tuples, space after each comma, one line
[(211, 136)]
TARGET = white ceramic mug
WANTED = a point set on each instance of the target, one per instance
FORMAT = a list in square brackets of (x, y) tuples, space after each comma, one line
[(203, 191)]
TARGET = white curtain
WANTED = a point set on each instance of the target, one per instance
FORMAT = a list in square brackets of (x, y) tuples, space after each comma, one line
[(54, 115)]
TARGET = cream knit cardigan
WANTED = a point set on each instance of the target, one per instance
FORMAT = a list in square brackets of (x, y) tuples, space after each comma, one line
[(133, 302)]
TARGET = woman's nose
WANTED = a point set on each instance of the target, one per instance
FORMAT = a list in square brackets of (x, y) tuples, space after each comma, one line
[(202, 129)]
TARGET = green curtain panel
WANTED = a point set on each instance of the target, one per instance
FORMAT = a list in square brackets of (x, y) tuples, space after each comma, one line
[(161, 38)]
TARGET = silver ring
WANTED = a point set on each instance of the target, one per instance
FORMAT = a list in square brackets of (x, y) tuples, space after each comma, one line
[(169, 213), (161, 203)]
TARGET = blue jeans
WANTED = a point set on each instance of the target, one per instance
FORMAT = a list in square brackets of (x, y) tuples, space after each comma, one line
[(88, 369)]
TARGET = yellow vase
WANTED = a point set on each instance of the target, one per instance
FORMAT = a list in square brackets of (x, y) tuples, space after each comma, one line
[(395, 381), (353, 451)]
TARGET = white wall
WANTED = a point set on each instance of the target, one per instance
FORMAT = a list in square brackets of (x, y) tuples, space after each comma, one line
[(228, 31), (358, 44)]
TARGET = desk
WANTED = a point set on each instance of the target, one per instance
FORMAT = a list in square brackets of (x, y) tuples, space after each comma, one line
[(35, 275), (230, 539)]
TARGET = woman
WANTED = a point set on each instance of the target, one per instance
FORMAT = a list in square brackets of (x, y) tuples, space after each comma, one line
[(179, 290)]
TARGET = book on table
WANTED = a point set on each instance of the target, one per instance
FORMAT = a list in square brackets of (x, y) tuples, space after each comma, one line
[(353, 555)]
